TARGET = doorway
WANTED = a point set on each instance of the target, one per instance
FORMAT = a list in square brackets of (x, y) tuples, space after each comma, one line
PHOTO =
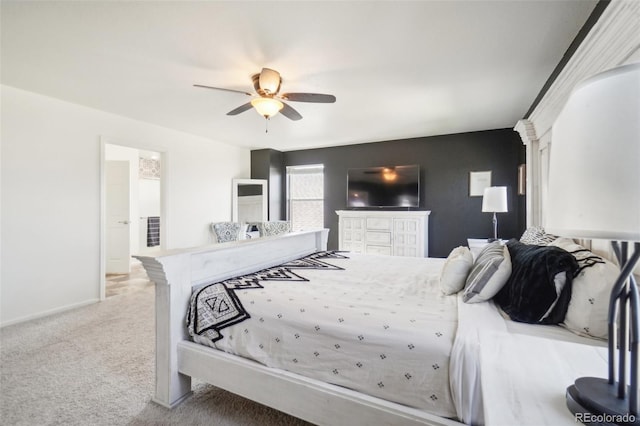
[(131, 216)]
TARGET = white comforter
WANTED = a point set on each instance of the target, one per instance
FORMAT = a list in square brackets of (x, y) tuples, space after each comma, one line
[(380, 326), (376, 324)]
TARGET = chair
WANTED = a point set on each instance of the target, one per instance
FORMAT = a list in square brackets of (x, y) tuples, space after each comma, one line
[(226, 231), (275, 227)]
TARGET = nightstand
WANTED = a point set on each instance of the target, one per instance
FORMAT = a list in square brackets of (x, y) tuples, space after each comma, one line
[(477, 244)]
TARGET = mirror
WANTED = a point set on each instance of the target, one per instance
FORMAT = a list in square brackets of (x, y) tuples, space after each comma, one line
[(249, 200)]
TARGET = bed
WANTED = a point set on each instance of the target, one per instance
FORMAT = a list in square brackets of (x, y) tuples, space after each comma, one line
[(227, 349)]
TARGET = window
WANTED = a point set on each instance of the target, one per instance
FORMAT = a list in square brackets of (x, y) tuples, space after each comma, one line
[(305, 196)]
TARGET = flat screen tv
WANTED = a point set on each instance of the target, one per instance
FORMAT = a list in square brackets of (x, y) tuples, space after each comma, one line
[(397, 186)]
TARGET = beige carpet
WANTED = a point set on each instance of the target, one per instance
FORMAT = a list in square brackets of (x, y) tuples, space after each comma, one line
[(127, 283), (95, 366)]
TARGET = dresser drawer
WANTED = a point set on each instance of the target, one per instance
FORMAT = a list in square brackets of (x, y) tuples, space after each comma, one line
[(379, 238), (406, 251), (381, 223), (410, 240), (378, 250), (355, 247), (353, 235)]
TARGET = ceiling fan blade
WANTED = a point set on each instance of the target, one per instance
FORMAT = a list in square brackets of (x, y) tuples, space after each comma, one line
[(220, 88), (290, 113), (241, 108), (309, 97), (270, 81)]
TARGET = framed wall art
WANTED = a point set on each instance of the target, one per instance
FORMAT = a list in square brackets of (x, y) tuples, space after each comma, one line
[(522, 179), (478, 181)]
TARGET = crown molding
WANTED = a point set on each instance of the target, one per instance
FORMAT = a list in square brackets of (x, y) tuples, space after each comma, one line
[(614, 40), (526, 130)]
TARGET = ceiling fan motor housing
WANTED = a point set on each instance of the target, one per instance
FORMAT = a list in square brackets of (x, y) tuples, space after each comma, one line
[(267, 82)]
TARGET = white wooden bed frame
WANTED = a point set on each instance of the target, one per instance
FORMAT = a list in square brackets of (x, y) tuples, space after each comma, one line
[(178, 359)]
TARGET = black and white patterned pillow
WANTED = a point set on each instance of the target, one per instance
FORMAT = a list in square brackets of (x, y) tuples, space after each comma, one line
[(274, 227), (226, 231), (535, 235)]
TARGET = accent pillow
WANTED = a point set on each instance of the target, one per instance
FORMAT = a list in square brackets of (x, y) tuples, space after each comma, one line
[(226, 231), (535, 235), (455, 270), (589, 305), (539, 288), (488, 274), (275, 227)]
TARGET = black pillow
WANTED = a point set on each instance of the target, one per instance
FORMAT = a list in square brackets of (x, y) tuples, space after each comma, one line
[(530, 294)]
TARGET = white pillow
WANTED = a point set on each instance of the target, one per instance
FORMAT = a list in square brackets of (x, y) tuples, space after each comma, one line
[(455, 270), (589, 305), (489, 274)]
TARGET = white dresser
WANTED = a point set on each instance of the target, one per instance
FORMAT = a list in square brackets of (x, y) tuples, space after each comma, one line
[(396, 233)]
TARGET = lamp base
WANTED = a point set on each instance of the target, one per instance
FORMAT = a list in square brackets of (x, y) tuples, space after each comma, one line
[(594, 401)]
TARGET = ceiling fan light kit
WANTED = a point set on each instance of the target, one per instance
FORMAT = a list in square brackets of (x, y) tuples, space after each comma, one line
[(268, 103), (267, 107)]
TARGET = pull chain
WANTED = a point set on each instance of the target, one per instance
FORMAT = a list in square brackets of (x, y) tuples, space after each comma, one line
[(266, 124)]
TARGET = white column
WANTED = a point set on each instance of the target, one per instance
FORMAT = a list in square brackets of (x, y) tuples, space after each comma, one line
[(528, 135)]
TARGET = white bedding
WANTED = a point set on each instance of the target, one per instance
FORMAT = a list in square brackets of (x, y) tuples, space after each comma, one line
[(381, 326), (553, 332), (534, 395), (376, 324), (478, 326), (474, 319)]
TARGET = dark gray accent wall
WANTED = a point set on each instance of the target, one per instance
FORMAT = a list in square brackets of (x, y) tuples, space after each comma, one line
[(269, 164), (445, 163)]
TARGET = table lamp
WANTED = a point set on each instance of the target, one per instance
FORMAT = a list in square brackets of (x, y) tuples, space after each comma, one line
[(495, 200), (594, 193)]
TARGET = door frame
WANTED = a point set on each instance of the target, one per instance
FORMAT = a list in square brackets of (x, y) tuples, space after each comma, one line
[(104, 141)]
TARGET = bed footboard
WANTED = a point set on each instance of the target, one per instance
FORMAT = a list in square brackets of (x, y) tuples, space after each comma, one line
[(317, 402), (176, 272)]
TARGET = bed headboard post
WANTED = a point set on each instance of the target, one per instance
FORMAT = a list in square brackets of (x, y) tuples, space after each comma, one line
[(172, 276)]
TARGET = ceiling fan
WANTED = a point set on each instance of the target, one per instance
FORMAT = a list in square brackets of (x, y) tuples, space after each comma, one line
[(270, 101)]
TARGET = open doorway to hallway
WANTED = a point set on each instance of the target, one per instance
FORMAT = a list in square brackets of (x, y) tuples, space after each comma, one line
[(132, 215)]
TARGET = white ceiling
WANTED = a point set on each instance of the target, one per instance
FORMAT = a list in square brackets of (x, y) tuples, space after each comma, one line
[(398, 69)]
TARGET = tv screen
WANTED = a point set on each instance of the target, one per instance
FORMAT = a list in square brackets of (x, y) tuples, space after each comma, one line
[(397, 186)]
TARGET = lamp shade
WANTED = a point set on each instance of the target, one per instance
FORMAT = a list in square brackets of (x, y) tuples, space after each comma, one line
[(495, 199), (267, 107), (594, 179)]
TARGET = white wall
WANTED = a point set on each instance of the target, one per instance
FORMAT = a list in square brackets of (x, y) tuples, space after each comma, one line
[(50, 196)]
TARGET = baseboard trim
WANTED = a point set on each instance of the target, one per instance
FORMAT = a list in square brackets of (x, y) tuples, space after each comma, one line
[(48, 313)]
